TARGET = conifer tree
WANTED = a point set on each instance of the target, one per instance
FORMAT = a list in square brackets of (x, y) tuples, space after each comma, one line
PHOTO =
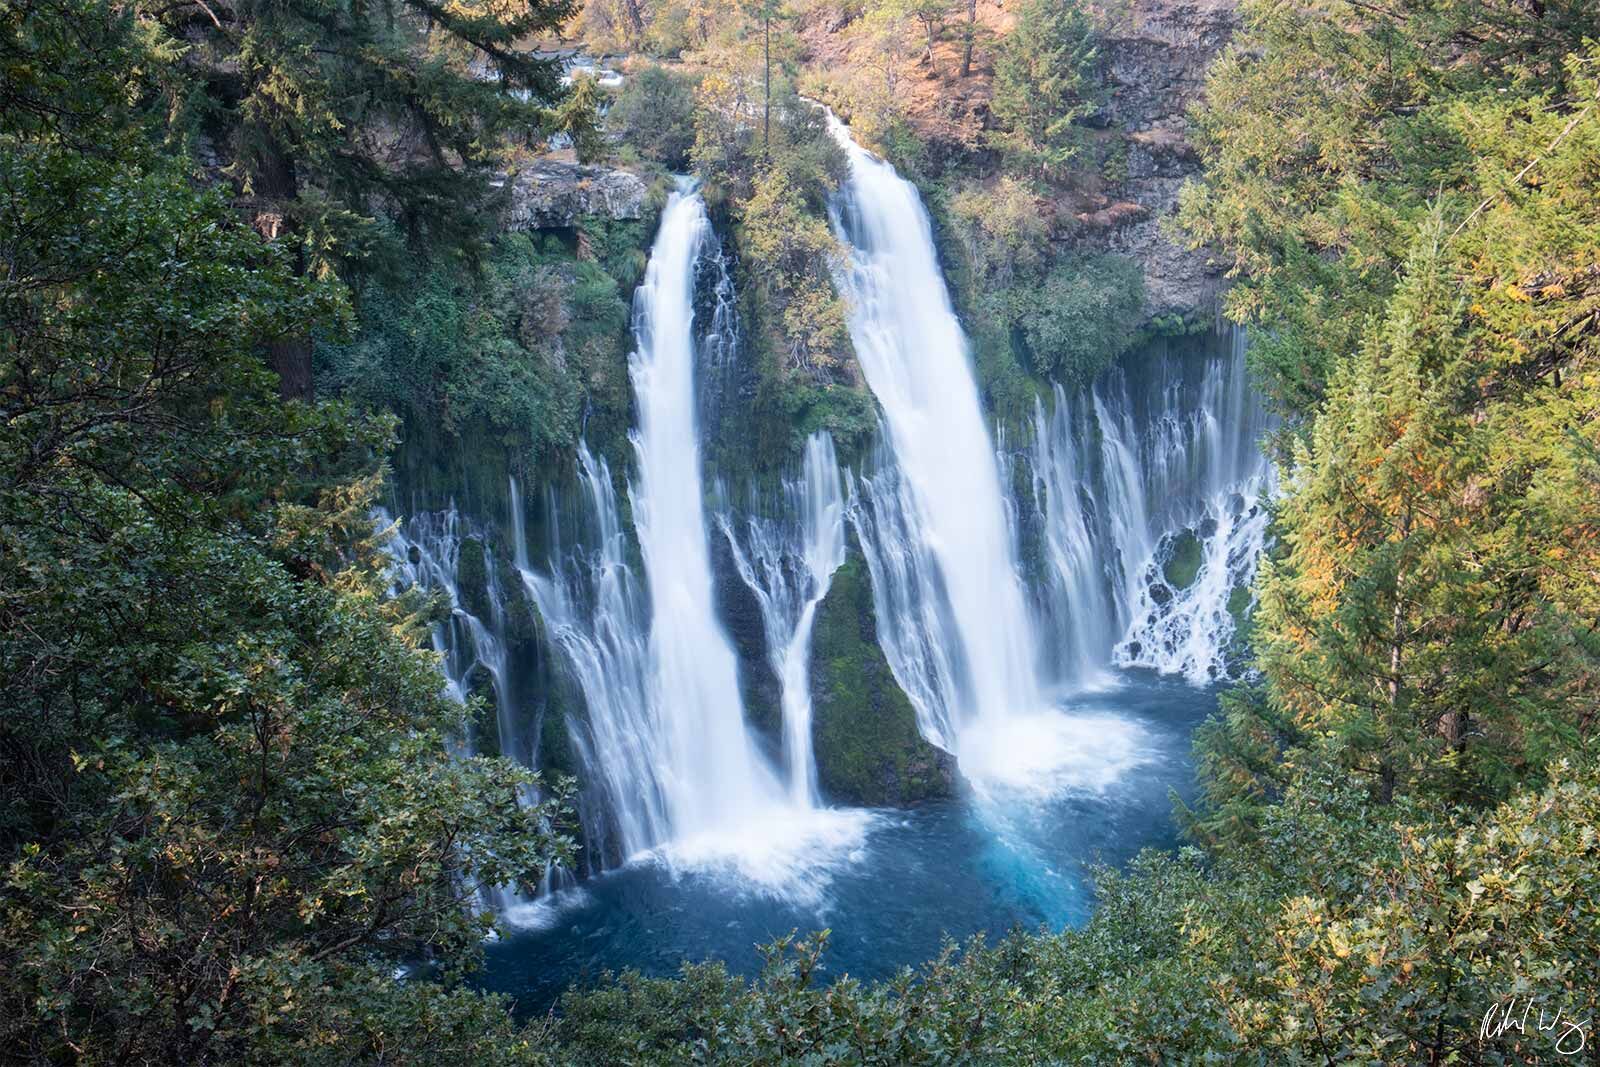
[(325, 116), (1045, 84)]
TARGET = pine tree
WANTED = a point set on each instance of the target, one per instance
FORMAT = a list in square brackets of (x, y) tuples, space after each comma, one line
[(325, 116), (1045, 84)]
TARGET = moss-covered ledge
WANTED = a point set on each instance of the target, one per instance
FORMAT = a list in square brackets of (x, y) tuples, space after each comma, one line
[(864, 728)]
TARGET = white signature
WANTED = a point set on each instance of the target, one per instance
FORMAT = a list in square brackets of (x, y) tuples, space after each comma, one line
[(1570, 1035)]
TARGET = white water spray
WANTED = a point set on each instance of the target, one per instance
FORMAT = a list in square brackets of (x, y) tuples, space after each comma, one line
[(788, 560), (916, 362)]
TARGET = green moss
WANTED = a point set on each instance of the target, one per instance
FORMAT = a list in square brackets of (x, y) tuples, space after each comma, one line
[(868, 749), (1239, 604), (846, 412), (1183, 560), (1240, 608), (472, 577), (556, 757), (484, 719)]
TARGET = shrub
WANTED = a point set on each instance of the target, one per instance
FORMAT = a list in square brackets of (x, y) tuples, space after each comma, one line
[(655, 115)]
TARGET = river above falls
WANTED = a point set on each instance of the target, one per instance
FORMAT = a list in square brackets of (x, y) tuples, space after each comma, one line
[(986, 861)]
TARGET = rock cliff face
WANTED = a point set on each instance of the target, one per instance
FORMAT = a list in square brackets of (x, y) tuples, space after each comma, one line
[(553, 194), (864, 728), (1156, 57), (740, 614)]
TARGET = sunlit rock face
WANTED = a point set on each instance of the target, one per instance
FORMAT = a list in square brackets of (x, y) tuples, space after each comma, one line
[(1156, 57), (550, 194)]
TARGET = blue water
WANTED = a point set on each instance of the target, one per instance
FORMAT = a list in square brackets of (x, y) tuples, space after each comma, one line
[(949, 868)]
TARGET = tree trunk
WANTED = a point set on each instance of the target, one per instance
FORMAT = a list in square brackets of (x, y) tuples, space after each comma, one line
[(970, 38), (291, 358), (766, 56), (1396, 642), (277, 187)]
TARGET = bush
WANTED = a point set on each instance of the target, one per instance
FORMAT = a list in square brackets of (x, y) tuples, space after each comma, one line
[(655, 115), (519, 347), (1000, 230), (1081, 317)]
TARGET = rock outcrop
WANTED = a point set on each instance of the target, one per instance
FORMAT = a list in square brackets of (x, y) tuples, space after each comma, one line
[(1156, 58), (550, 194), (868, 748), (740, 614)]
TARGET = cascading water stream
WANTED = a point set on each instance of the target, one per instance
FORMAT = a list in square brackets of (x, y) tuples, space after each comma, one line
[(949, 497), (787, 560), (708, 766), (1151, 497), (1210, 469), (426, 552), (663, 728), (598, 618)]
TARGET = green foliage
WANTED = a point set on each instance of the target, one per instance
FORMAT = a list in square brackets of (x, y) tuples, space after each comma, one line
[(791, 255), (578, 116), (775, 190), (655, 115), (1427, 618), (520, 347), (1045, 83), (1330, 130), (328, 115), (229, 812), (1034, 314), (1081, 316), (1001, 229)]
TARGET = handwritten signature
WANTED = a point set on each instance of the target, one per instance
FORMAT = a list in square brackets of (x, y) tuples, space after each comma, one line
[(1570, 1034)]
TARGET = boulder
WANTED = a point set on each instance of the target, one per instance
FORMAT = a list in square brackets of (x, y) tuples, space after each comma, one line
[(867, 745), (549, 194)]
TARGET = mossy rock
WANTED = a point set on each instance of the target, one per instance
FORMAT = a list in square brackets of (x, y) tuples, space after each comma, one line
[(485, 718), (740, 614), (557, 758), (472, 578), (1240, 607), (868, 748), (1184, 555), (1239, 604)]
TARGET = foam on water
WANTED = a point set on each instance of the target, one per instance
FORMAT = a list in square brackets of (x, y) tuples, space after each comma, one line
[(786, 853), (1048, 753), (546, 912)]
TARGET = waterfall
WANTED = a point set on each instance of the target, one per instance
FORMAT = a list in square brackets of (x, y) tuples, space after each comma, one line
[(948, 504), (1207, 466), (665, 725), (787, 559), (663, 729), (596, 615), (425, 551), (708, 765), (916, 629), (1066, 505), (1151, 492)]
